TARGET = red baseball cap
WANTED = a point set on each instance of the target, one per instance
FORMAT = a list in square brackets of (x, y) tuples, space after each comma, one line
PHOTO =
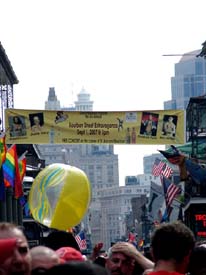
[(6, 248), (68, 253)]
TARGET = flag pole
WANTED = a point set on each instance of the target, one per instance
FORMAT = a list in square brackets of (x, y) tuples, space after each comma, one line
[(23, 155)]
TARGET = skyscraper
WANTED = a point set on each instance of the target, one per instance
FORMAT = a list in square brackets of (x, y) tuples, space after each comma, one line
[(52, 103), (189, 80)]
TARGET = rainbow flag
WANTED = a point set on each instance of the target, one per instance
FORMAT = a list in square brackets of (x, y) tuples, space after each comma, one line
[(11, 172), (22, 172), (9, 167), (2, 149)]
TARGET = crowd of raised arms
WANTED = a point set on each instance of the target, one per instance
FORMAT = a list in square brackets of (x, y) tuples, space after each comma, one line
[(173, 251)]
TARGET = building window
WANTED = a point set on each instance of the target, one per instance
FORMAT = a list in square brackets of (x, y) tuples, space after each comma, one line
[(199, 68)]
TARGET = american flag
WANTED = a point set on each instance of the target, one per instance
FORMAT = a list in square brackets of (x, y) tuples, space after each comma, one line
[(167, 171), (170, 190), (81, 240), (161, 168), (157, 167)]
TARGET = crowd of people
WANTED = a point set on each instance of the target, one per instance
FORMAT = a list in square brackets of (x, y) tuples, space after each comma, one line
[(173, 251)]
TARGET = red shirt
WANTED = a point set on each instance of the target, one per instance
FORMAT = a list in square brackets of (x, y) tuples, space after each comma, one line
[(164, 272)]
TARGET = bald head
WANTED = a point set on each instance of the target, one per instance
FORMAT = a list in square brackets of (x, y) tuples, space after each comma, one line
[(123, 258), (43, 257), (9, 230)]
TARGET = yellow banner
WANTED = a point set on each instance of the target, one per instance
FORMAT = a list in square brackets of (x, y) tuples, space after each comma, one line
[(136, 127)]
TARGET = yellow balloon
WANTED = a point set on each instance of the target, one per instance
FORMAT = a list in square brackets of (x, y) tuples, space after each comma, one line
[(60, 196)]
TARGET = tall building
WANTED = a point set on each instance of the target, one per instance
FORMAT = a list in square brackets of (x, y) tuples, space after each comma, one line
[(52, 153), (52, 103), (115, 214), (83, 103), (101, 166), (189, 80), (115, 206)]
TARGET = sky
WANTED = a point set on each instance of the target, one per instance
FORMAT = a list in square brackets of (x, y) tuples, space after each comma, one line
[(112, 48)]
